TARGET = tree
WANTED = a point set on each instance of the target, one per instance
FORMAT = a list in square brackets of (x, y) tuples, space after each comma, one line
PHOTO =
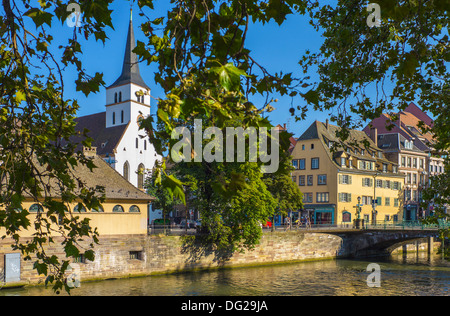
[(37, 159), (154, 185)]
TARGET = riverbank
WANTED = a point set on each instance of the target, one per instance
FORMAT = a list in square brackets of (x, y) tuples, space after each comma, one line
[(119, 257)]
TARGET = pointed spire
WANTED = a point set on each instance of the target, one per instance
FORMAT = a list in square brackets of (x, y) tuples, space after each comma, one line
[(130, 68)]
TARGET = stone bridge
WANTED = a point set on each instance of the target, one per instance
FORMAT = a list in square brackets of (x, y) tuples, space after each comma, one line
[(360, 243)]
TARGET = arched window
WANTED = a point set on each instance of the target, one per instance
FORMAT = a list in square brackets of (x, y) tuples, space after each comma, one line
[(120, 96), (115, 97), (118, 209), (126, 171), (36, 208), (134, 209), (121, 117), (114, 118), (99, 210), (79, 208), (141, 170)]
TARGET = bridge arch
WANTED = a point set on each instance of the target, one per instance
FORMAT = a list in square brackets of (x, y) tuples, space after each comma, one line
[(378, 243)]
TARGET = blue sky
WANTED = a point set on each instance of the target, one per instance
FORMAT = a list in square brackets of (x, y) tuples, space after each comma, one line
[(277, 48)]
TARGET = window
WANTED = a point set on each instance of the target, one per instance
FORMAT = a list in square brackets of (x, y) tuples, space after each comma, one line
[(115, 97), (379, 201), (367, 182), (385, 167), (136, 255), (421, 163), (36, 208), (414, 178), (294, 179), (80, 259), (310, 180), (114, 118), (315, 163), (121, 116), (322, 179), (303, 147), (323, 197), (312, 146), (137, 142), (79, 208), (307, 197), (345, 197), (295, 164), (366, 200), (343, 162), (345, 179), (134, 209), (118, 209), (126, 171), (145, 145), (387, 201), (409, 162), (98, 210), (302, 164), (415, 163), (302, 181), (395, 202), (403, 161), (394, 169), (120, 96), (407, 195), (408, 178), (379, 183)]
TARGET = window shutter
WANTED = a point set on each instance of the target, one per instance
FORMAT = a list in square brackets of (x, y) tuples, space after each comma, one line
[(349, 179)]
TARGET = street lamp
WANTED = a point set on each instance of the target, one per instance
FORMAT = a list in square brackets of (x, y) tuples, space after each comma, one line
[(374, 210), (358, 209)]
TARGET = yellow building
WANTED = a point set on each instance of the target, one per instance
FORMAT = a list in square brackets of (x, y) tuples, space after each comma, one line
[(124, 212), (336, 177)]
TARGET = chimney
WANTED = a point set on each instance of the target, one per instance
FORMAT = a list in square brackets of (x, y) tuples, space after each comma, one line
[(374, 135), (327, 123)]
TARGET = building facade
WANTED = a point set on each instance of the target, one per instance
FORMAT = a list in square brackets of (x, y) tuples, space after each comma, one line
[(340, 180), (400, 137)]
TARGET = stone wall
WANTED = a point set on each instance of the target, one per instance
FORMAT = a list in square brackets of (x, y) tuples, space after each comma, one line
[(140, 255)]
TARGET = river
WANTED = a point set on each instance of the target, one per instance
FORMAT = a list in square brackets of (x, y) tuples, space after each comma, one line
[(400, 276)]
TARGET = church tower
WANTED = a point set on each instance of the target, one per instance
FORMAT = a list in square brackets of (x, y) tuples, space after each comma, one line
[(129, 96)]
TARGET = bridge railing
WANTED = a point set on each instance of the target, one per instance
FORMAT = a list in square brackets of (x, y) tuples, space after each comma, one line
[(405, 225)]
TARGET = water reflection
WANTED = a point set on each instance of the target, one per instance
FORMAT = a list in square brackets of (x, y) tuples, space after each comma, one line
[(413, 275)]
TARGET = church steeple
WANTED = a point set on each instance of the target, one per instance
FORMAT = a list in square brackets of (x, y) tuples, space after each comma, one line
[(128, 97), (130, 67)]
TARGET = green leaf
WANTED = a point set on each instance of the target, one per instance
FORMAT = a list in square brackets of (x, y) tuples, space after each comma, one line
[(39, 17)]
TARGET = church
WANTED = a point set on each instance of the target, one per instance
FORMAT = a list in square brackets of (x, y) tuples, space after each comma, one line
[(116, 131)]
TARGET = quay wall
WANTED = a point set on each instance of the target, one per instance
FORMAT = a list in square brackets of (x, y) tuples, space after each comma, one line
[(141, 255)]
